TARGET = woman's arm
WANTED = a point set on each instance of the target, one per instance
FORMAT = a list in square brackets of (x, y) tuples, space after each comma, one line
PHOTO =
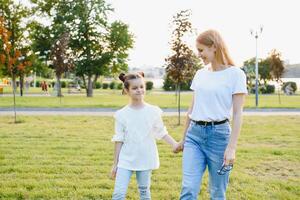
[(238, 102), (118, 147), (187, 124)]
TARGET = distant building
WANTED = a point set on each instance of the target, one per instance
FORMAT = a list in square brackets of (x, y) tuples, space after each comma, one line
[(292, 71), (154, 72)]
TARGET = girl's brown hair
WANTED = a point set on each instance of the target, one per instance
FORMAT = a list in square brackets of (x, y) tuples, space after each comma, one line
[(125, 78), (213, 37)]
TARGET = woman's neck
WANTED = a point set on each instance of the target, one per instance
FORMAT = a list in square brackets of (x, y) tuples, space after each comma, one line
[(215, 66)]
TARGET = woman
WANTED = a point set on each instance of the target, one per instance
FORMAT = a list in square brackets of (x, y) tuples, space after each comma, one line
[(208, 140)]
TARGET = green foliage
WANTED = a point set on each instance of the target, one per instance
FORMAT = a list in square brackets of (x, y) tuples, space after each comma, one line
[(105, 85), (63, 84), (170, 85), (113, 85), (149, 85), (267, 89), (120, 86), (97, 85), (292, 84)]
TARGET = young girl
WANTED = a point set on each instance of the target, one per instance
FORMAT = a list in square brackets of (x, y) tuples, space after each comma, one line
[(137, 125), (208, 139)]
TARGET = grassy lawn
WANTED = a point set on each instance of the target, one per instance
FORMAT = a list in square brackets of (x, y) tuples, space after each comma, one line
[(113, 98), (46, 157)]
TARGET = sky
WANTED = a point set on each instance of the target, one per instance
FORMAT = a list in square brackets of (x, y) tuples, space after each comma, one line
[(150, 22)]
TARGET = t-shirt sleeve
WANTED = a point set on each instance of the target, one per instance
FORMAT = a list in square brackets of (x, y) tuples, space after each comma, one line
[(193, 85), (240, 85), (159, 129), (119, 135)]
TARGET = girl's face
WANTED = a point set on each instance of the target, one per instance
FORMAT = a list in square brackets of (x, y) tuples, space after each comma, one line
[(136, 90), (206, 53)]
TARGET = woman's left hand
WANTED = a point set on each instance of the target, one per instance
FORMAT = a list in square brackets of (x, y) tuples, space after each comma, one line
[(229, 156)]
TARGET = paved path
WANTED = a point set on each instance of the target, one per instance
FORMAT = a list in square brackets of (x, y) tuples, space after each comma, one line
[(110, 111)]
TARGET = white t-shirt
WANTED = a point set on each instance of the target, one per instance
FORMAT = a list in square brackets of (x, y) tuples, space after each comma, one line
[(213, 92), (138, 129)]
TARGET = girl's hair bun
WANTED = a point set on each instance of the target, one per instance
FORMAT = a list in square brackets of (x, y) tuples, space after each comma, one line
[(122, 77), (142, 74)]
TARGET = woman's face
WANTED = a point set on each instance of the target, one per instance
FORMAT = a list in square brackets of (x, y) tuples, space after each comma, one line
[(206, 53)]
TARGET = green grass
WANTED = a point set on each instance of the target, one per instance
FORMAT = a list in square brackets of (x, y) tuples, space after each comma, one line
[(46, 157), (113, 98)]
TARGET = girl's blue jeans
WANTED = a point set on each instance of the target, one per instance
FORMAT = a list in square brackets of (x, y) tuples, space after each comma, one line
[(122, 180), (204, 147)]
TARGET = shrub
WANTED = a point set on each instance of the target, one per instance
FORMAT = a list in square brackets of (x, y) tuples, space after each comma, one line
[(292, 84), (149, 85), (105, 85), (37, 83), (113, 85), (267, 89), (97, 85), (63, 84), (120, 86)]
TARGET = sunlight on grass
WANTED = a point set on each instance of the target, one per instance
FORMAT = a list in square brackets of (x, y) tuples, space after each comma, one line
[(48, 157)]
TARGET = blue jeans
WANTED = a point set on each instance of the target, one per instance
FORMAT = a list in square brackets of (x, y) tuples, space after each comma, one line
[(122, 180), (204, 147)]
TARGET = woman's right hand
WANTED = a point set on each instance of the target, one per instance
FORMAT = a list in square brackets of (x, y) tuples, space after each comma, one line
[(113, 172)]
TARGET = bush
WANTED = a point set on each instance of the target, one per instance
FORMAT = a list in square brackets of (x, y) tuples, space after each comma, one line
[(113, 85), (105, 86), (149, 85), (37, 83), (267, 89), (292, 84), (63, 84), (120, 86), (97, 85)]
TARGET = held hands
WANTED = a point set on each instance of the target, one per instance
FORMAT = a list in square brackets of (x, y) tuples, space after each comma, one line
[(113, 172), (178, 147)]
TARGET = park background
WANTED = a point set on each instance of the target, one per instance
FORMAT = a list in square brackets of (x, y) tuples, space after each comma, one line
[(55, 139)]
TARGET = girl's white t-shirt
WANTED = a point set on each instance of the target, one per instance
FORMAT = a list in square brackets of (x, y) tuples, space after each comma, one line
[(138, 129), (213, 93)]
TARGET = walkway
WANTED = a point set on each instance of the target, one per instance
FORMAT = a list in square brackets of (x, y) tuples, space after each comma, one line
[(110, 111)]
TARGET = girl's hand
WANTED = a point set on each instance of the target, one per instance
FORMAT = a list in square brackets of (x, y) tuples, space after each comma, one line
[(113, 172), (179, 147), (229, 156)]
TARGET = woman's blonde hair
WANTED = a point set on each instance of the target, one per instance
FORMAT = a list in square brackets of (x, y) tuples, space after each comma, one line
[(213, 37)]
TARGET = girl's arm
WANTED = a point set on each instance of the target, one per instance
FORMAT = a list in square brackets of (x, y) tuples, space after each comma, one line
[(238, 101), (187, 124), (170, 140), (118, 147)]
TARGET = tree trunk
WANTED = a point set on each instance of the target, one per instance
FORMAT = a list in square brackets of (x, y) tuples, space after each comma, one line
[(58, 86), (279, 99), (178, 87), (90, 87), (14, 94), (21, 85)]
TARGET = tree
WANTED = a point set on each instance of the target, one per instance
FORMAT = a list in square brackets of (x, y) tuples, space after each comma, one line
[(100, 48), (264, 72), (10, 61), (61, 59), (183, 64), (277, 68), (13, 19)]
